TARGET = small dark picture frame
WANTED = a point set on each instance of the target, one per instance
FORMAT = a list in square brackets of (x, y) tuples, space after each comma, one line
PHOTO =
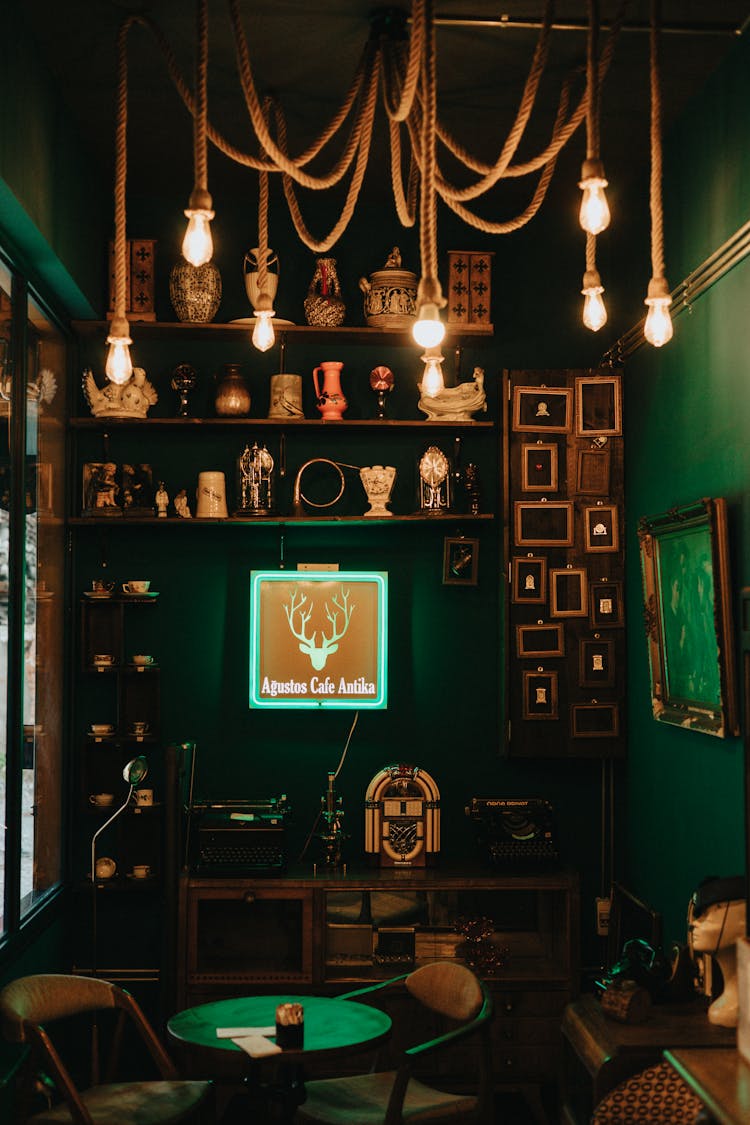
[(543, 523), (596, 662), (529, 580), (601, 529), (606, 604), (568, 590), (594, 720), (540, 695), (599, 405), (542, 639), (539, 467), (460, 562), (592, 472), (543, 408)]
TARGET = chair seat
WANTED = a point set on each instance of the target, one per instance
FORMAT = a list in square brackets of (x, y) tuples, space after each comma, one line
[(364, 1097), (132, 1103), (656, 1096)]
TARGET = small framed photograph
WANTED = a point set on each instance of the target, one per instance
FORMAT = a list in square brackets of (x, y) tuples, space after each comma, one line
[(529, 580), (460, 562), (568, 589), (592, 472), (539, 467), (600, 528), (543, 408), (543, 523), (606, 604), (596, 663), (540, 695), (599, 405), (595, 720), (542, 639)]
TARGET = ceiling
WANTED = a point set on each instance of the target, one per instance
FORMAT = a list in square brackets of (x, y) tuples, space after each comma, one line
[(306, 52)]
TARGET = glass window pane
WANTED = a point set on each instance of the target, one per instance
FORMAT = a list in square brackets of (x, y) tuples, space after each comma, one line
[(5, 416), (41, 813)]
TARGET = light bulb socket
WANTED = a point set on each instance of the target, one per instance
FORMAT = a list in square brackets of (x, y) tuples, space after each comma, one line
[(429, 292), (200, 200), (592, 282), (119, 331), (658, 290), (593, 170), (264, 304)]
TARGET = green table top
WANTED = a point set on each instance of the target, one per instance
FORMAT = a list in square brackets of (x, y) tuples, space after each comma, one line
[(330, 1024)]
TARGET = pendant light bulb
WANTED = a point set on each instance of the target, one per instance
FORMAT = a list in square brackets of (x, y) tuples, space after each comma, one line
[(432, 383), (594, 309), (119, 366), (263, 333), (428, 330), (658, 327), (594, 214), (197, 245)]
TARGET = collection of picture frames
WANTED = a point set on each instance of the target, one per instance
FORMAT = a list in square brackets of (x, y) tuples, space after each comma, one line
[(564, 451)]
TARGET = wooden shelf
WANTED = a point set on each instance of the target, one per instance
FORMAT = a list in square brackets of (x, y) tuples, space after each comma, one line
[(279, 521), (355, 335), (83, 423)]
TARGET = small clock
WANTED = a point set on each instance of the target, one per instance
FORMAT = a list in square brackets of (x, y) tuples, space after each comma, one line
[(434, 481)]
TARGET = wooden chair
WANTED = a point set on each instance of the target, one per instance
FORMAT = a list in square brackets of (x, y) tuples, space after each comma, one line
[(29, 1004), (394, 1097)]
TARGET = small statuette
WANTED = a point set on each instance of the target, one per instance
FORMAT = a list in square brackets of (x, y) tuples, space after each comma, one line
[(181, 505), (471, 488), (129, 400), (162, 501), (455, 404), (377, 481)]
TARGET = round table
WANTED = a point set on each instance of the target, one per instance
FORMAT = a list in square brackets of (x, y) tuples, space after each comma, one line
[(332, 1026)]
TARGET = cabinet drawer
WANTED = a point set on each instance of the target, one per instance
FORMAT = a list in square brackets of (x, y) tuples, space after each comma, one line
[(521, 1031), (523, 1004), (537, 1064)]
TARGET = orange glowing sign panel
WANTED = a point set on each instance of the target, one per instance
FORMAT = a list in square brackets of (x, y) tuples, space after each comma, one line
[(318, 639)]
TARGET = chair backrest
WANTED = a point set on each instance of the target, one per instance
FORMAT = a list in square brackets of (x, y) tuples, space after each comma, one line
[(46, 997), (448, 988), (30, 1003)]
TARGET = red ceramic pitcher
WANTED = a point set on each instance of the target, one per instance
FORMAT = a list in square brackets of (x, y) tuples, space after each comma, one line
[(331, 401)]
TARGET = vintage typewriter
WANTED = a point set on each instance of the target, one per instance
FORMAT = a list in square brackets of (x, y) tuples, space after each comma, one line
[(514, 832), (239, 837)]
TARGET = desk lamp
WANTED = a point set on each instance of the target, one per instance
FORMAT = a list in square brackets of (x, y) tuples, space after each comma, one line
[(134, 773)]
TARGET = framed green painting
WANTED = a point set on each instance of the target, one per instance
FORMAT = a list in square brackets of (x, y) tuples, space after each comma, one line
[(687, 609)]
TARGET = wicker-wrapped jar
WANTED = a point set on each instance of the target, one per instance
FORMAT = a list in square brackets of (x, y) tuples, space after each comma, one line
[(323, 305), (195, 291)]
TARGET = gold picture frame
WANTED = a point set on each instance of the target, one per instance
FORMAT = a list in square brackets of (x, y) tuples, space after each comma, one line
[(687, 607), (539, 471), (599, 406), (543, 408), (543, 523)]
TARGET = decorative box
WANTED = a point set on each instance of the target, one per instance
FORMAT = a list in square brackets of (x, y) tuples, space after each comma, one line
[(139, 278), (469, 288)]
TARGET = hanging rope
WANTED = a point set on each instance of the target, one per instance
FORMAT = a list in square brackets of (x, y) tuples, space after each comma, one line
[(592, 85), (401, 110), (201, 108), (655, 192), (119, 326), (429, 286)]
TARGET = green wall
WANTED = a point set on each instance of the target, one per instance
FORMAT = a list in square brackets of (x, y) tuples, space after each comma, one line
[(687, 419), (51, 202)]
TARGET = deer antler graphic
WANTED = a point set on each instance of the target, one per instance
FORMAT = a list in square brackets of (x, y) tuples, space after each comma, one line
[(319, 653)]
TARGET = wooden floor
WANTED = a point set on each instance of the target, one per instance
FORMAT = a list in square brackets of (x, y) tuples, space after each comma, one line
[(510, 1109)]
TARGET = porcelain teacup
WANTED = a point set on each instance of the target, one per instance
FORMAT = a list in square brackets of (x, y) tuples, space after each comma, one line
[(141, 586)]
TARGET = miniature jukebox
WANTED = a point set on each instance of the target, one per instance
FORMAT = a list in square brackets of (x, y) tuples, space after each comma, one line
[(402, 817)]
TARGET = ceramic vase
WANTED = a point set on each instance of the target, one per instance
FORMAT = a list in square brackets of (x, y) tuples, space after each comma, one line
[(377, 481), (232, 398), (250, 267), (323, 305), (195, 291), (330, 398)]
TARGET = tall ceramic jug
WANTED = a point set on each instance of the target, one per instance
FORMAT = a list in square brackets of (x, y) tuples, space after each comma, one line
[(331, 402)]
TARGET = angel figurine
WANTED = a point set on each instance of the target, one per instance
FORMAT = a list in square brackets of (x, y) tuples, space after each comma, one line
[(181, 505), (131, 400)]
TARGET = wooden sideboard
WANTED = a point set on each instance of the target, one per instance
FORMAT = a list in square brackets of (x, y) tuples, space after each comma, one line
[(333, 933), (598, 1053)]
